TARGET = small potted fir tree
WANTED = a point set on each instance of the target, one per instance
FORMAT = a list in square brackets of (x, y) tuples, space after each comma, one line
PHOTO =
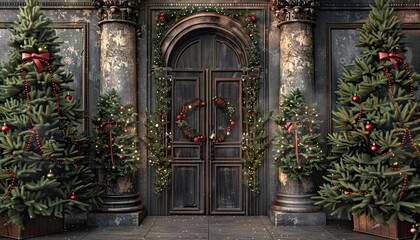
[(297, 154), (116, 153)]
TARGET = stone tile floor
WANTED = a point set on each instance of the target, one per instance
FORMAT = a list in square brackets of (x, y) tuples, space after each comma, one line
[(209, 227)]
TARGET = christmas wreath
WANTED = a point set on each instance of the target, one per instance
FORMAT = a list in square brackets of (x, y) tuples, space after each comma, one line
[(192, 133)]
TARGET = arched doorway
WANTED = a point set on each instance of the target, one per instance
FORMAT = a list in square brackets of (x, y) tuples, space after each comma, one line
[(206, 53)]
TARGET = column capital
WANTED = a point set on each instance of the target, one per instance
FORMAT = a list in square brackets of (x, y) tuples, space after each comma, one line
[(117, 10), (294, 10)]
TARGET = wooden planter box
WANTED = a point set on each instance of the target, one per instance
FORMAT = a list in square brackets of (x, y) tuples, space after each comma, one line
[(33, 227), (395, 230)]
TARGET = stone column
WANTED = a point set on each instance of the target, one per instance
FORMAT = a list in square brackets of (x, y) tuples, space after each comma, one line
[(295, 19), (118, 61), (118, 66)]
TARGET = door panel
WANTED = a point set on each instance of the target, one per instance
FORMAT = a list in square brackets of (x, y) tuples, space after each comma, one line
[(206, 176), (186, 191)]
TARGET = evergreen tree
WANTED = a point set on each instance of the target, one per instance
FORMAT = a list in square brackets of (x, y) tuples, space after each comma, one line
[(375, 150), (43, 168), (296, 142), (115, 138)]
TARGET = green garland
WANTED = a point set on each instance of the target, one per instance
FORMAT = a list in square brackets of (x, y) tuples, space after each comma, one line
[(165, 19), (157, 140), (255, 140), (192, 133)]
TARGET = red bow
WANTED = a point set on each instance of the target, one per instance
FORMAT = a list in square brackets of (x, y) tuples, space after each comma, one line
[(36, 58), (392, 57)]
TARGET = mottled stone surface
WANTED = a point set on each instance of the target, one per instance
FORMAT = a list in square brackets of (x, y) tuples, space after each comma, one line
[(298, 219), (115, 219), (118, 60), (296, 57)]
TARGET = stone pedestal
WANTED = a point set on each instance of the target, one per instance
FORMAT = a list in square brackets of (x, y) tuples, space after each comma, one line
[(279, 218), (121, 204), (293, 204), (99, 219)]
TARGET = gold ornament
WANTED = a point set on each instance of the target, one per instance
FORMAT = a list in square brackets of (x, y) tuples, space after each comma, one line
[(50, 175)]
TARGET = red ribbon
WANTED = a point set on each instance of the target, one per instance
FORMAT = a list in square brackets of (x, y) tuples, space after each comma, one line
[(37, 58), (392, 57), (289, 126), (104, 124)]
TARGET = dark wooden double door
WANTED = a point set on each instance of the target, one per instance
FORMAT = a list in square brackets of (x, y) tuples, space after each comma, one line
[(207, 176)]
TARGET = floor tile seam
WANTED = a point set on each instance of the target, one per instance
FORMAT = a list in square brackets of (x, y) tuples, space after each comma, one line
[(150, 228), (266, 228), (325, 230)]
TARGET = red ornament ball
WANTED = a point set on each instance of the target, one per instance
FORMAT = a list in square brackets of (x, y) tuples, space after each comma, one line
[(413, 230), (121, 157), (355, 98), (232, 123), (306, 107), (374, 148), (311, 131), (68, 97), (306, 157), (196, 139), (203, 104), (369, 127), (5, 128), (178, 117), (253, 18), (122, 108), (73, 197)]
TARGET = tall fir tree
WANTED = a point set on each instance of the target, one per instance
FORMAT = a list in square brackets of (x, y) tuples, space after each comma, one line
[(375, 149), (297, 141), (43, 167), (115, 137)]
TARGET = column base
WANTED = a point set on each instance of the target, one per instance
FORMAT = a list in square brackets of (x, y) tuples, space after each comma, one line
[(99, 219), (279, 218)]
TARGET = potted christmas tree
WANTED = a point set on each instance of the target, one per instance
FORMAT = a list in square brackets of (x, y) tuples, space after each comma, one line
[(297, 154), (117, 153), (44, 171), (375, 151)]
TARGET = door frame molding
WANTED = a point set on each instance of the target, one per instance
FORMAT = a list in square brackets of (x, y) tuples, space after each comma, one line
[(228, 26)]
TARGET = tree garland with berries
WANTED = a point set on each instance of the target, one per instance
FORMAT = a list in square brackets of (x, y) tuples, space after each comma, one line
[(296, 142), (115, 138)]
